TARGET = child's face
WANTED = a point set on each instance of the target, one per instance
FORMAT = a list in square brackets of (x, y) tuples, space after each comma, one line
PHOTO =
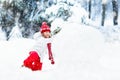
[(46, 34)]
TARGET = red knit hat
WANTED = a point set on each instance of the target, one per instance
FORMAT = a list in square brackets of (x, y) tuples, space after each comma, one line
[(44, 27)]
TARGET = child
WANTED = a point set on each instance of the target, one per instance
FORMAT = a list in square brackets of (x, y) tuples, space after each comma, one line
[(41, 47)]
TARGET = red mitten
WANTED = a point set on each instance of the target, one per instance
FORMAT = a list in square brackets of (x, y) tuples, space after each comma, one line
[(33, 61)]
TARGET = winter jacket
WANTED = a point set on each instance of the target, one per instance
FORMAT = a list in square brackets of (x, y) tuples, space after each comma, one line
[(41, 45)]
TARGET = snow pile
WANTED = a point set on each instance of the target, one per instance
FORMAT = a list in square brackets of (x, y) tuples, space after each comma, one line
[(80, 53), (111, 33)]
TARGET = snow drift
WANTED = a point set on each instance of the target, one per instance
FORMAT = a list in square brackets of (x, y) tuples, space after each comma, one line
[(80, 53)]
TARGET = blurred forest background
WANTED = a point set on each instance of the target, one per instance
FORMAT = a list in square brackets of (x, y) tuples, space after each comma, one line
[(28, 15)]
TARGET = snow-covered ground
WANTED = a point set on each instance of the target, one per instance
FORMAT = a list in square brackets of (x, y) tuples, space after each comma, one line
[(80, 52)]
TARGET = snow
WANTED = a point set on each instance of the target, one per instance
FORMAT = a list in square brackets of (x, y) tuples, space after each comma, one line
[(80, 53), (104, 1), (79, 14), (15, 33), (2, 35)]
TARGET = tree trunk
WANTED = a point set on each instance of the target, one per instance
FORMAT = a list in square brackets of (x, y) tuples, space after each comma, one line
[(115, 11), (103, 14), (89, 9)]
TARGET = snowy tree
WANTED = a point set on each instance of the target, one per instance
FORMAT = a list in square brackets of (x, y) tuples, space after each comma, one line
[(15, 33), (90, 8), (104, 2), (115, 11)]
